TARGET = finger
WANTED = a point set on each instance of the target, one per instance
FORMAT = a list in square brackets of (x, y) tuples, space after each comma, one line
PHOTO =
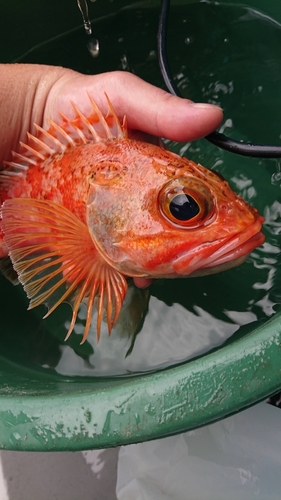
[(157, 112), (147, 108)]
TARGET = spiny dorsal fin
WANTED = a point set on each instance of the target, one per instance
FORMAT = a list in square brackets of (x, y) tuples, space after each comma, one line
[(56, 261), (71, 132)]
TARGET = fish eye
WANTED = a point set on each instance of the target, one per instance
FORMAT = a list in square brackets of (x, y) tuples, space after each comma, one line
[(183, 207), (186, 202)]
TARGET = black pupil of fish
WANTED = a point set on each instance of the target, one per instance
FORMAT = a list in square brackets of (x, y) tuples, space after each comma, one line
[(183, 207)]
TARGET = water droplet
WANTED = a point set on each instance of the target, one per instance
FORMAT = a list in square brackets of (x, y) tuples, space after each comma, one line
[(124, 62), (152, 55), (92, 43), (83, 7), (93, 47)]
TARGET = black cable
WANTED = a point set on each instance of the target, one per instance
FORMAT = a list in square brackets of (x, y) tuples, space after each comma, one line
[(216, 138)]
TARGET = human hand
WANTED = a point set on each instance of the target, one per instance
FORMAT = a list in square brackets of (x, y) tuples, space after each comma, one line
[(148, 109), (33, 93)]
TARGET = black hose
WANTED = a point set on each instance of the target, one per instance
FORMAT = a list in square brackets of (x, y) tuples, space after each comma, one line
[(216, 138)]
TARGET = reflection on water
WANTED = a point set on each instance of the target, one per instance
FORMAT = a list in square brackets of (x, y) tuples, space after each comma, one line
[(228, 55), (169, 335)]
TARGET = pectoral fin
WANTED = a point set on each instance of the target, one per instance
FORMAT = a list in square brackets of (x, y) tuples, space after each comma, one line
[(56, 261)]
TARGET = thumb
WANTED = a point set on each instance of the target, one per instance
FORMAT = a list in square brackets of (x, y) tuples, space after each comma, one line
[(159, 113), (147, 108)]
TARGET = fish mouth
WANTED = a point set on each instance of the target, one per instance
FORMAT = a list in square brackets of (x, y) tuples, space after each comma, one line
[(230, 254)]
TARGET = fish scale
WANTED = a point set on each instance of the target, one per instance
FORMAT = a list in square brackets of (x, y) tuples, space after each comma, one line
[(84, 207)]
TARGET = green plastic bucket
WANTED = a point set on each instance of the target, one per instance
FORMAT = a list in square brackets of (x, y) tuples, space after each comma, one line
[(41, 409)]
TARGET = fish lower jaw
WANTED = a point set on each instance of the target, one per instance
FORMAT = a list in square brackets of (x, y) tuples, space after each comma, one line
[(218, 268), (237, 255), (230, 254)]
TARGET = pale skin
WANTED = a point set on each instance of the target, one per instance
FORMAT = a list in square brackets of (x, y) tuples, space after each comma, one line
[(32, 93)]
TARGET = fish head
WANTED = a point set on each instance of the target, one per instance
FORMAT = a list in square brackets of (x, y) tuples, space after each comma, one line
[(166, 217)]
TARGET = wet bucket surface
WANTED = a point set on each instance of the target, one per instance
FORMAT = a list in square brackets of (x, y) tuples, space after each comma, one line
[(220, 351)]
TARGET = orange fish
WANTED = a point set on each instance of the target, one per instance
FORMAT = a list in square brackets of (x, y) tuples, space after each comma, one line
[(84, 207)]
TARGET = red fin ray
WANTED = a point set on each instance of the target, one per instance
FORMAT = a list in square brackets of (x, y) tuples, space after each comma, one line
[(96, 127), (113, 122), (83, 125), (57, 261), (71, 132), (32, 150), (22, 158)]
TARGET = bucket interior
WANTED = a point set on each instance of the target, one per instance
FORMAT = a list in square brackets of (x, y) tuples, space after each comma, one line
[(206, 347)]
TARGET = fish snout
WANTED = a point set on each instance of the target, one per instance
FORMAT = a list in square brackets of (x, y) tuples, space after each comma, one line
[(222, 254)]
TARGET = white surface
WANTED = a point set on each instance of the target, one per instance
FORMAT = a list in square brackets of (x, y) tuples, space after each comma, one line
[(238, 458), (90, 475)]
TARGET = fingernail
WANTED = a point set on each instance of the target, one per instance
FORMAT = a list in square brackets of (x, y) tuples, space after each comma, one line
[(204, 105)]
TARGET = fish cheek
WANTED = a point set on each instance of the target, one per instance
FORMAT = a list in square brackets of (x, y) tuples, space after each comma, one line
[(111, 219), (105, 220)]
